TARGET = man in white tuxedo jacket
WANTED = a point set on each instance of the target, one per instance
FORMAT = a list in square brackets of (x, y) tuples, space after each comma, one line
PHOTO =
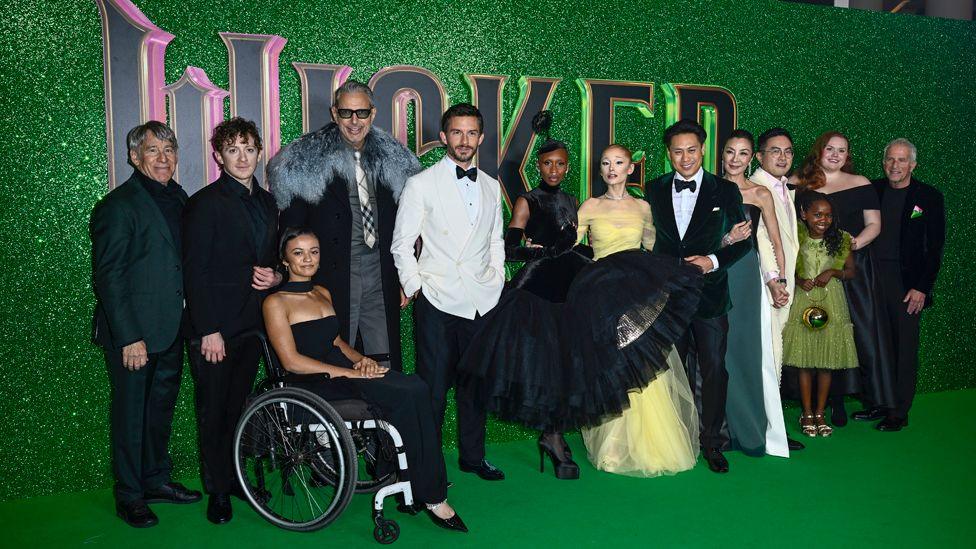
[(775, 155), (455, 210)]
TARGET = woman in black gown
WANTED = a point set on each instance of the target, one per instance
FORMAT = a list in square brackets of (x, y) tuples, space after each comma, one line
[(828, 168), (570, 338), (303, 330)]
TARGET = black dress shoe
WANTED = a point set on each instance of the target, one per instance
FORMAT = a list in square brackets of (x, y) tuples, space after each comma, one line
[(219, 510), (794, 445), (485, 470), (873, 413), (891, 424), (838, 414), (716, 461), (172, 492), (136, 514), (454, 523)]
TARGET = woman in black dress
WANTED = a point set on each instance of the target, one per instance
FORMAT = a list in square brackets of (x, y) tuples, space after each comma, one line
[(303, 330), (828, 168)]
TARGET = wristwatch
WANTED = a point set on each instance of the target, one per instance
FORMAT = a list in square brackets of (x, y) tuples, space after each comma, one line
[(781, 281)]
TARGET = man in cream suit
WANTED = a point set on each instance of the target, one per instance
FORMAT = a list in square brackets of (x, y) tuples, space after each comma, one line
[(456, 211), (775, 156)]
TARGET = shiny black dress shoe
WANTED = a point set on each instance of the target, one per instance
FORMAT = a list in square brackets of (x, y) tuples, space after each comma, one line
[(136, 514), (562, 461), (219, 510), (838, 413), (891, 424), (716, 461), (172, 492), (454, 523), (485, 470), (794, 445), (873, 413)]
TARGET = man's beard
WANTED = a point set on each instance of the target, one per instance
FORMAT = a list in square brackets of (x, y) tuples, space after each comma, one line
[(453, 153)]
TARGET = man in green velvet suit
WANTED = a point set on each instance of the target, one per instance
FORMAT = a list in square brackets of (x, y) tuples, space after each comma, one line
[(693, 211), (138, 283)]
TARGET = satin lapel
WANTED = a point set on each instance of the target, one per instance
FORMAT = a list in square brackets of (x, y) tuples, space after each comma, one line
[(704, 204), (454, 211), (662, 195), (145, 202)]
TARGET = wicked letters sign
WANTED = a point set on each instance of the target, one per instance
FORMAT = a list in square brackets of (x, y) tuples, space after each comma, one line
[(134, 51)]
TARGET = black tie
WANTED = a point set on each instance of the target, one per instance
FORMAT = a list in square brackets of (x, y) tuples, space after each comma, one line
[(681, 184), (471, 173)]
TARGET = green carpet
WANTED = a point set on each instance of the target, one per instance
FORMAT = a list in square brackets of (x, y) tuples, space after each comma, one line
[(860, 488)]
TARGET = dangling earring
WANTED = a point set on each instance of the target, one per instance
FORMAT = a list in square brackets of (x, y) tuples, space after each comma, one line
[(749, 170)]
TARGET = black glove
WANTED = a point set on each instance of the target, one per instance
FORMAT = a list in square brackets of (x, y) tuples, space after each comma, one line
[(515, 251)]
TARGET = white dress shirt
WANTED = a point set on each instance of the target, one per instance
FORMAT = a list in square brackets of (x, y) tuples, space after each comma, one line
[(684, 206), (470, 194)]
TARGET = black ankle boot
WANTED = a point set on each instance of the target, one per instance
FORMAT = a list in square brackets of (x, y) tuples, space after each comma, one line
[(563, 465)]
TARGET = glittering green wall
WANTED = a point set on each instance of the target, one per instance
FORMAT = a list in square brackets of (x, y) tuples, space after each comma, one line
[(874, 76)]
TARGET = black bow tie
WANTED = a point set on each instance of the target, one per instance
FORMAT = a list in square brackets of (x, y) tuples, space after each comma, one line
[(681, 184), (471, 173)]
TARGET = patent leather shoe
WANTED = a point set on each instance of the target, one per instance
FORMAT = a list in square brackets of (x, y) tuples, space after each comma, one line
[(219, 510), (794, 445), (891, 424), (172, 492), (136, 514), (562, 462), (716, 461), (454, 523), (873, 413), (485, 470)]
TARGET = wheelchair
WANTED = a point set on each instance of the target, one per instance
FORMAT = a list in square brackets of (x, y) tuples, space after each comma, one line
[(300, 459)]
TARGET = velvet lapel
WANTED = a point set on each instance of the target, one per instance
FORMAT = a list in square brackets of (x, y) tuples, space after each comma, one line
[(703, 206), (662, 196)]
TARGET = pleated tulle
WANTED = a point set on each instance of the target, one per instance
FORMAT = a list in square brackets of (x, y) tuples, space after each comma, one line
[(561, 366)]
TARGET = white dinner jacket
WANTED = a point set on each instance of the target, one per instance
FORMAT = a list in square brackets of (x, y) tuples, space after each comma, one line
[(786, 219), (461, 268)]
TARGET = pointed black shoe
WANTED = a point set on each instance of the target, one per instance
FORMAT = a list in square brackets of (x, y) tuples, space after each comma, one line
[(172, 492), (563, 466), (716, 461), (136, 514), (219, 510), (485, 470), (891, 424), (873, 413), (454, 523), (794, 445)]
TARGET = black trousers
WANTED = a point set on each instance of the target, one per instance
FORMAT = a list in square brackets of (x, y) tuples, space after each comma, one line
[(441, 340), (404, 401), (706, 339), (221, 391), (142, 419), (905, 337)]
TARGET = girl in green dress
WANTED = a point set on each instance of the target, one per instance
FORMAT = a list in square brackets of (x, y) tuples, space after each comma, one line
[(819, 337)]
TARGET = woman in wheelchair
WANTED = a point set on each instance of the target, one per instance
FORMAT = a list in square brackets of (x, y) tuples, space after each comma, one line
[(303, 329)]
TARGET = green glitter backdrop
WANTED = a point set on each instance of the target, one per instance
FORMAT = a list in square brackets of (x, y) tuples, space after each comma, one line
[(874, 76)]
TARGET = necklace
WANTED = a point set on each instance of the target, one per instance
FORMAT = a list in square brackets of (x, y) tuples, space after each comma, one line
[(608, 196)]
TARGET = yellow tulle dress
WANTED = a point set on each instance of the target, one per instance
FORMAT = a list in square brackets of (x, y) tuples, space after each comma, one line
[(658, 434)]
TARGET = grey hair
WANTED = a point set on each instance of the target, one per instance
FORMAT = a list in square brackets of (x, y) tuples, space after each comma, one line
[(137, 135), (912, 151), (353, 86)]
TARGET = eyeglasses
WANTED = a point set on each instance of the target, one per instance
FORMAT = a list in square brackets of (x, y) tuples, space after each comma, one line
[(776, 152), (361, 114)]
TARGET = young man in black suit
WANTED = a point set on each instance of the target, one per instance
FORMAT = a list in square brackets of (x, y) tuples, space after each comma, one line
[(909, 250), (229, 252), (135, 233), (693, 211)]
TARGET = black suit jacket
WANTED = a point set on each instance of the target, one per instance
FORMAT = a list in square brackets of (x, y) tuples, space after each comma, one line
[(331, 220), (219, 253), (719, 206), (922, 237), (136, 270)]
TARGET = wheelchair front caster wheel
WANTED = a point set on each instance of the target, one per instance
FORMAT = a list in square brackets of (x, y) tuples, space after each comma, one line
[(386, 532)]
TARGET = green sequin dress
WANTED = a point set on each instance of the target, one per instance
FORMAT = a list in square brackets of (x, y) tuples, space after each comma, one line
[(831, 347)]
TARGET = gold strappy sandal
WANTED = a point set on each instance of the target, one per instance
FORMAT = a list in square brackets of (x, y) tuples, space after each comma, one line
[(808, 426), (823, 429)]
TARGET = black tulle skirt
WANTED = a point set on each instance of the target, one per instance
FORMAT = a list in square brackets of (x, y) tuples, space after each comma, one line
[(561, 365)]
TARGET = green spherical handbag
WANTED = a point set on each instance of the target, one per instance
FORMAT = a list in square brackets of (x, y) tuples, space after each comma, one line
[(814, 316)]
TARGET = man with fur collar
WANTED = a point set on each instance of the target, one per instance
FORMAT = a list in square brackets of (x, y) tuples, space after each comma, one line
[(343, 182)]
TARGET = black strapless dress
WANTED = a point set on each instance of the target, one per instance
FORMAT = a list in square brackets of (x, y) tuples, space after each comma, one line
[(403, 400), (570, 337)]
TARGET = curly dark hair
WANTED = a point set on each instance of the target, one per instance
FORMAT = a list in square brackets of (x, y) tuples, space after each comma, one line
[(229, 130), (833, 238)]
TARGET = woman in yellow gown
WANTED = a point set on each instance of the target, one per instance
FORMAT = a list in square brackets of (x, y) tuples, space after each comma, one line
[(658, 433)]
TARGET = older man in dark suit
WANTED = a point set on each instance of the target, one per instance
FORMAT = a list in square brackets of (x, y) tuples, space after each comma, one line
[(138, 283)]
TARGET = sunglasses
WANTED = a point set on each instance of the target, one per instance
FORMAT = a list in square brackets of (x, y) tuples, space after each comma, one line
[(361, 114)]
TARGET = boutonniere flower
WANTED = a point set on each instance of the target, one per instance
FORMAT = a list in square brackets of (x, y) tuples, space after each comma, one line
[(916, 212)]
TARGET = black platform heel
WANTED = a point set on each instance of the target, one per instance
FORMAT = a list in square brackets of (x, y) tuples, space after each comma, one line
[(564, 466)]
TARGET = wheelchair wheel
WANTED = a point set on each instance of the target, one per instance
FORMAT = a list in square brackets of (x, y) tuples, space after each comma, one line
[(372, 461), (286, 439)]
